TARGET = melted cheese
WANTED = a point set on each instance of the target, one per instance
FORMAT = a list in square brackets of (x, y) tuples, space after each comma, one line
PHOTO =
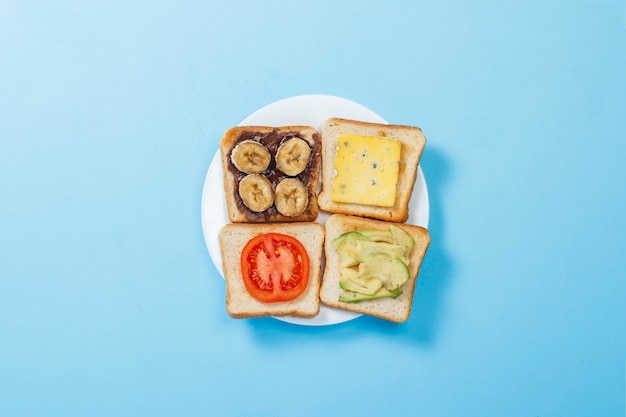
[(366, 170)]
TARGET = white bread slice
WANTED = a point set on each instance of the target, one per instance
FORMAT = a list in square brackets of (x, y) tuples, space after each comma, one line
[(393, 309), (271, 137), (239, 303), (413, 142)]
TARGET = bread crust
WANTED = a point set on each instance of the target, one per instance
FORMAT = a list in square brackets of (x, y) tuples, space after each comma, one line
[(413, 143), (239, 303), (393, 309), (267, 135)]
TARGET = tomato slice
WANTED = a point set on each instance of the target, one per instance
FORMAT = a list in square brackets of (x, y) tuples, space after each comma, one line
[(275, 267)]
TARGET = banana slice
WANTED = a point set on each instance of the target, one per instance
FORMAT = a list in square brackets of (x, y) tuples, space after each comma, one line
[(250, 157), (256, 192), (292, 197), (293, 156)]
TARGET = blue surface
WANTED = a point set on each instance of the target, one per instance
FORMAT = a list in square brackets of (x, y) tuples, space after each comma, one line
[(110, 113)]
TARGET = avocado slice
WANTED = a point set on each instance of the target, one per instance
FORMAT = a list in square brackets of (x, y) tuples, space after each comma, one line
[(393, 272), (402, 238), (337, 241), (348, 248), (349, 280), (367, 249), (378, 235), (353, 297)]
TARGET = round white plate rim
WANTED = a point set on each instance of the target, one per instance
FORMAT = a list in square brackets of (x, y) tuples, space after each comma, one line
[(296, 111)]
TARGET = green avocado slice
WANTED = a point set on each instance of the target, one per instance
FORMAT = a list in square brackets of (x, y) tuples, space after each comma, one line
[(402, 238), (354, 297), (350, 281), (366, 249), (377, 235), (348, 248), (391, 271), (339, 239)]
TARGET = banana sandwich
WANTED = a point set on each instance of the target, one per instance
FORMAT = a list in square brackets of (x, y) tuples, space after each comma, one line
[(271, 174)]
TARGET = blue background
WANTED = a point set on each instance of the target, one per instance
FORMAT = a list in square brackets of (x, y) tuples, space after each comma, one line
[(110, 113)]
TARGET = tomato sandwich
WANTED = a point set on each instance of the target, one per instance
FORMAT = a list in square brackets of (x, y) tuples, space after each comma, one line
[(272, 269)]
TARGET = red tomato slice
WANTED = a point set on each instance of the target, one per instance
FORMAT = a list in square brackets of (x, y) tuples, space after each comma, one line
[(275, 267)]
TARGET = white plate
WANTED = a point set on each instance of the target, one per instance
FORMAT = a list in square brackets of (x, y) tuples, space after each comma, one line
[(307, 110)]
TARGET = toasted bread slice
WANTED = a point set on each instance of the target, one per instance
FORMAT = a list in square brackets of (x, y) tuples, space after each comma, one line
[(271, 138), (412, 144), (239, 303), (393, 309)]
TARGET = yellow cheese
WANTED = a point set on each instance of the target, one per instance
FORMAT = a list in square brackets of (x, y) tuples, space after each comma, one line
[(366, 170)]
